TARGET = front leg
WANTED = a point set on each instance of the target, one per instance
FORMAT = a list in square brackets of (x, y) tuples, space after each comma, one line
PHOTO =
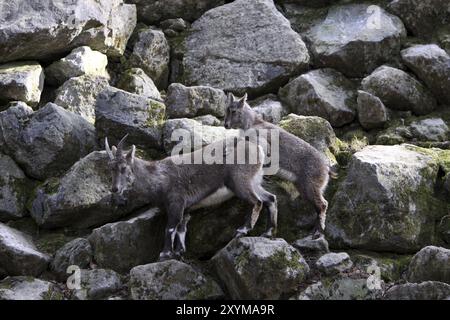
[(175, 211)]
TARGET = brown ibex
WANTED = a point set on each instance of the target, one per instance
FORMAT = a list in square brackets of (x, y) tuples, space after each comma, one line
[(299, 162), (177, 185)]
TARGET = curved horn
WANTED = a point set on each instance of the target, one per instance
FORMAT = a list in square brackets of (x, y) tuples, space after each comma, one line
[(108, 150), (120, 144)]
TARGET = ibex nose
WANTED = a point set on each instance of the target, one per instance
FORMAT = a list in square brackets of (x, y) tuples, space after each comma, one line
[(114, 189), (227, 126)]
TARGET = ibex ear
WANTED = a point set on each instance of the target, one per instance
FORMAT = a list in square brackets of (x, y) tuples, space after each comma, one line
[(230, 98), (243, 100), (114, 150), (130, 154)]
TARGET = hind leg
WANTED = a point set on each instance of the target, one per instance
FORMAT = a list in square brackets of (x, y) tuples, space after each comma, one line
[(270, 203), (247, 193), (180, 238)]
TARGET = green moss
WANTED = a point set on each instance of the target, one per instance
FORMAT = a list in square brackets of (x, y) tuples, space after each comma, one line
[(156, 114)]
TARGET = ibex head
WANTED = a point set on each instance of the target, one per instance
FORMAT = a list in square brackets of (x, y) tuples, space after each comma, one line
[(238, 113), (121, 165)]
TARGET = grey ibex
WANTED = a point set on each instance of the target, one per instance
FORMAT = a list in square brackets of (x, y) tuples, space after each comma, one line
[(299, 162), (177, 185)]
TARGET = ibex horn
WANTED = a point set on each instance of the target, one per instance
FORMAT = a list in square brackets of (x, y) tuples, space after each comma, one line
[(120, 144), (108, 150)]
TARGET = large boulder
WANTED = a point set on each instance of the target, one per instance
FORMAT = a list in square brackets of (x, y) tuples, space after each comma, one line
[(171, 280), (81, 197), (315, 130), (334, 263), (31, 30), (430, 263), (81, 61), (135, 80), (77, 252), (125, 244), (341, 288), (355, 38), (79, 95), (269, 108), (118, 112), (371, 111), (428, 290), (259, 268), (243, 55), (154, 11), (200, 135), (27, 288), (386, 202), (97, 284), (150, 51), (432, 65), (47, 142), (21, 81), (18, 254), (325, 93), (422, 17), (182, 101), (14, 187), (399, 91)]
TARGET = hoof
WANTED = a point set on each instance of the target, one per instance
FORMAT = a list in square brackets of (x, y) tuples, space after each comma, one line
[(164, 256), (239, 235)]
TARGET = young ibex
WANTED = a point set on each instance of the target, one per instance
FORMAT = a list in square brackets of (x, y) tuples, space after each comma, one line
[(299, 162), (177, 185)]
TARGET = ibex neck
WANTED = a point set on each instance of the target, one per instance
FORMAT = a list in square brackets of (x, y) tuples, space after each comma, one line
[(147, 181)]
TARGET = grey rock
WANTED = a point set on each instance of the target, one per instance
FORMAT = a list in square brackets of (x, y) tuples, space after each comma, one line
[(372, 113), (154, 11), (18, 255), (136, 81), (334, 263), (21, 81), (431, 64), (119, 112), (200, 135), (98, 284), (430, 263), (432, 129), (325, 93), (27, 288), (269, 108), (79, 95), (259, 268), (47, 142), (342, 288), (242, 54), (151, 52), (422, 17), (33, 31), (399, 91), (386, 202), (138, 240), (314, 130), (77, 252), (14, 187), (81, 61), (171, 280), (355, 38), (182, 101), (208, 120), (308, 245), (428, 290), (81, 197)]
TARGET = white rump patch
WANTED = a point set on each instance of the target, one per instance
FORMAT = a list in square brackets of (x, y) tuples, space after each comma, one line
[(221, 195)]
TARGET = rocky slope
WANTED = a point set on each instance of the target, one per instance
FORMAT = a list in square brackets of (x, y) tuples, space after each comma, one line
[(365, 82)]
